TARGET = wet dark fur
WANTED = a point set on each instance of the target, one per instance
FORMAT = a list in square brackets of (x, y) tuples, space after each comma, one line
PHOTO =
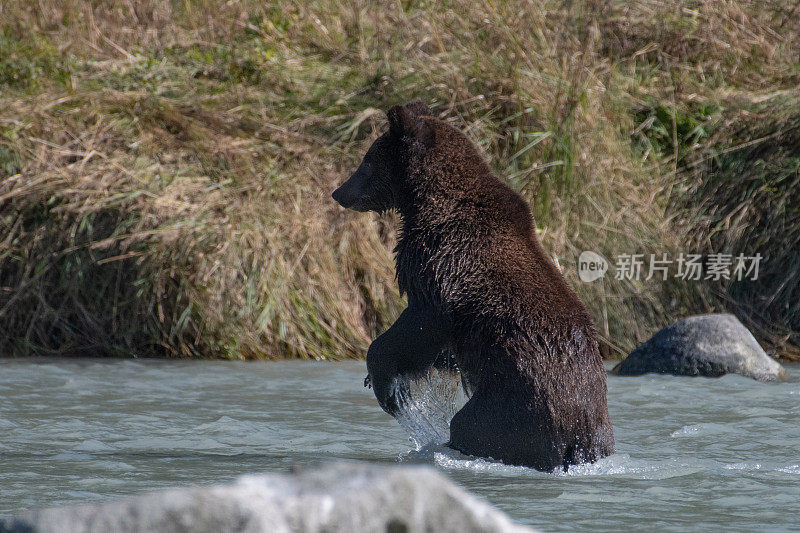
[(480, 286)]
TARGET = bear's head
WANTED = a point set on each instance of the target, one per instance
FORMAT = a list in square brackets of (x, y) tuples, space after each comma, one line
[(382, 175)]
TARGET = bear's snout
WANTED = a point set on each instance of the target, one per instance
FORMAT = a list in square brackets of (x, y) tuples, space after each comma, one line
[(337, 195), (342, 198), (350, 194)]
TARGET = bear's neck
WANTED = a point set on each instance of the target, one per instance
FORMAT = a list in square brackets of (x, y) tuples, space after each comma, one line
[(414, 261), (427, 243)]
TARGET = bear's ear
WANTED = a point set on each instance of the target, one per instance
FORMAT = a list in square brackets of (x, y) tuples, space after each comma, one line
[(406, 122), (419, 109)]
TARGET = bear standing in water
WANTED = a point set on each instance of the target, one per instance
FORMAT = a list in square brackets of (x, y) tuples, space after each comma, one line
[(480, 287)]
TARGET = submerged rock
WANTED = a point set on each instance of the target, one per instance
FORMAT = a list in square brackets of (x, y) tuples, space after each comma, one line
[(338, 497), (704, 345)]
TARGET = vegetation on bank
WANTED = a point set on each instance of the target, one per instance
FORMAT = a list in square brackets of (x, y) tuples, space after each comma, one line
[(166, 166)]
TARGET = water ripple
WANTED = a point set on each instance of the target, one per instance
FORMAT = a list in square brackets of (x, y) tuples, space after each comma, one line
[(693, 454)]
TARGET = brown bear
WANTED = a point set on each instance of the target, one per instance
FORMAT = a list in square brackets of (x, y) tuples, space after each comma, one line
[(480, 287)]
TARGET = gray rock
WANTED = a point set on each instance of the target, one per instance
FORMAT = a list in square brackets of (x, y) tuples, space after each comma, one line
[(338, 497), (703, 345)]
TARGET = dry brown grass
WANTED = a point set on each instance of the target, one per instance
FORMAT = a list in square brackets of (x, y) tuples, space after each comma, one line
[(167, 165)]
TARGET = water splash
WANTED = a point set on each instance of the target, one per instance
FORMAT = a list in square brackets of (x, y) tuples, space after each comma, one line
[(427, 405)]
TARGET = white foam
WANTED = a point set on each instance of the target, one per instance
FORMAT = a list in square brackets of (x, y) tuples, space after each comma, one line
[(452, 460), (685, 430), (743, 466), (618, 465)]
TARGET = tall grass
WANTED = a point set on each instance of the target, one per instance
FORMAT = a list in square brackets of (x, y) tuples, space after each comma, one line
[(166, 165)]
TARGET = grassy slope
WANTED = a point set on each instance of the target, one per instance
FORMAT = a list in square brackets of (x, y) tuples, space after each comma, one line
[(166, 166)]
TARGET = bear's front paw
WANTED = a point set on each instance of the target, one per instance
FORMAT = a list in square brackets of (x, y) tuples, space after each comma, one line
[(388, 392)]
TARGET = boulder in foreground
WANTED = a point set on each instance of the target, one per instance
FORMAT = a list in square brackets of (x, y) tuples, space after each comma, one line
[(339, 497), (704, 345)]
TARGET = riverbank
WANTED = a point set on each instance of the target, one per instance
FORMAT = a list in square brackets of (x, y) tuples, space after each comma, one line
[(165, 168)]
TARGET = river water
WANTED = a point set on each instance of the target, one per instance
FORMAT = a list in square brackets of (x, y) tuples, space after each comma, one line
[(692, 453)]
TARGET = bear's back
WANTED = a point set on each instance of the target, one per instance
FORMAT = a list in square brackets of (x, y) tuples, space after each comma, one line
[(486, 237)]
